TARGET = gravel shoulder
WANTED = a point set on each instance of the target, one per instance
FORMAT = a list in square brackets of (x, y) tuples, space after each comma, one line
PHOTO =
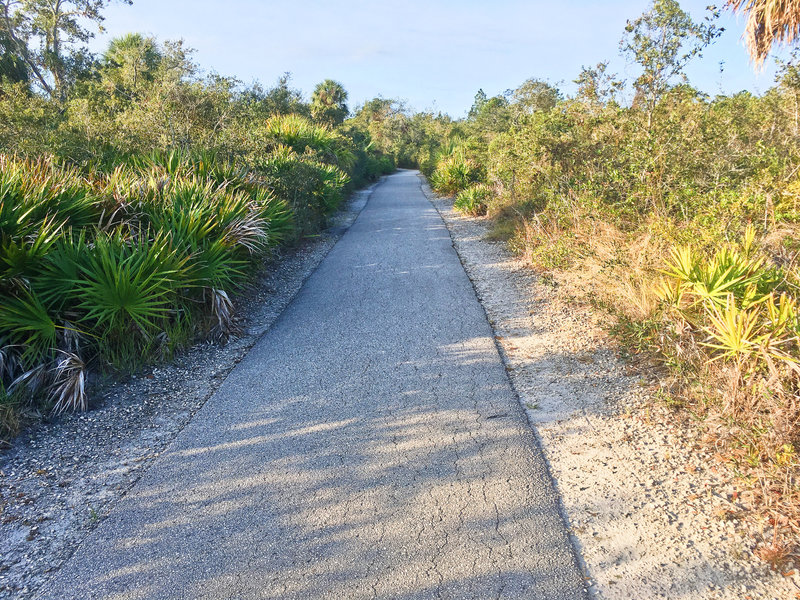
[(61, 478), (651, 513)]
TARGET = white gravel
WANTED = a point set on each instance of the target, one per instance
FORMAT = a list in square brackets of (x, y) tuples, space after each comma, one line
[(60, 478), (652, 514)]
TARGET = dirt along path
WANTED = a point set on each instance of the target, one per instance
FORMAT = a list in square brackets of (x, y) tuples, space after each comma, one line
[(368, 446), (645, 504)]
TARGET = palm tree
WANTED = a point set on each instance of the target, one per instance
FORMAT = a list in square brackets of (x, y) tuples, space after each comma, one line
[(131, 60), (329, 103), (769, 22)]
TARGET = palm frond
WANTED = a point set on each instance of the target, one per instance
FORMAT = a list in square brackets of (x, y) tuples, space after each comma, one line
[(68, 390), (769, 22)]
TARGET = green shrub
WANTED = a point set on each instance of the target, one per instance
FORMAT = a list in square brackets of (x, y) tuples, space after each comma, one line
[(278, 215), (455, 173), (122, 268), (474, 200), (128, 287), (312, 189), (732, 312), (303, 136)]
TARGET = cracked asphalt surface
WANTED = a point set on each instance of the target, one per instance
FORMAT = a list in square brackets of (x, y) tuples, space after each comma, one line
[(368, 446)]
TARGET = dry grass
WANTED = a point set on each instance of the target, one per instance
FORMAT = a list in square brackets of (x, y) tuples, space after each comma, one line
[(600, 263), (749, 416)]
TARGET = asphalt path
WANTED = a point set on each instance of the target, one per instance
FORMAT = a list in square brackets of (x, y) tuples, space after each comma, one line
[(368, 446)]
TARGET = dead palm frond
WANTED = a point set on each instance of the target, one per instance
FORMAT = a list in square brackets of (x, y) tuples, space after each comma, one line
[(68, 390), (222, 311), (248, 231), (9, 362), (769, 22), (32, 380), (69, 337)]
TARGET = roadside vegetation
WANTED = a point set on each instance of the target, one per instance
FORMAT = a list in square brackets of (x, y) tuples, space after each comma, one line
[(676, 212), (138, 197)]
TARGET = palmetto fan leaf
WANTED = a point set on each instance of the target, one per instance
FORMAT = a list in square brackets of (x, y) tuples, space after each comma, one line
[(301, 135), (213, 265), (712, 281), (25, 322), (33, 191), (60, 272), (210, 229), (20, 257), (733, 332), (129, 283), (278, 215)]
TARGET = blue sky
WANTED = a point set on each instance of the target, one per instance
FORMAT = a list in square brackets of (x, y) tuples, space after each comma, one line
[(434, 54)]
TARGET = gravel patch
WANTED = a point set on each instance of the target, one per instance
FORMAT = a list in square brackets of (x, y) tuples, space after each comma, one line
[(61, 478), (652, 513)]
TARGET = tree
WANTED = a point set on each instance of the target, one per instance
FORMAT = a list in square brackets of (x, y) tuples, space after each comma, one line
[(535, 95), (283, 100), (131, 61), (45, 33), (663, 40), (490, 116), (329, 103), (12, 67), (596, 86), (769, 22), (788, 76), (477, 105)]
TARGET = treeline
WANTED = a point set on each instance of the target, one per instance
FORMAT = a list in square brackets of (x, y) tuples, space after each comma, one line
[(677, 212), (138, 196)]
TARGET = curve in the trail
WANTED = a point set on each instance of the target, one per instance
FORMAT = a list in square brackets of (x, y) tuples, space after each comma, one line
[(369, 446)]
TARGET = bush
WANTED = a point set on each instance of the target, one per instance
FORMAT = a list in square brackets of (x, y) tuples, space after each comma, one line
[(455, 173), (302, 136), (474, 200), (313, 190), (118, 269)]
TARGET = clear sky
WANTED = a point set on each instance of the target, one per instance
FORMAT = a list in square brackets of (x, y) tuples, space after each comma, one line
[(434, 54)]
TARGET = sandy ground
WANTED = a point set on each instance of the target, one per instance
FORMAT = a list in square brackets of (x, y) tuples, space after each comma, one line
[(652, 514)]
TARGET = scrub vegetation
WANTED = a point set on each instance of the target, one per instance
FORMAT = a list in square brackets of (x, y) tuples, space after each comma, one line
[(137, 198), (677, 213)]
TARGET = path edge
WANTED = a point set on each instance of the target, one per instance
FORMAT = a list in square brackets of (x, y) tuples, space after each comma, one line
[(581, 564)]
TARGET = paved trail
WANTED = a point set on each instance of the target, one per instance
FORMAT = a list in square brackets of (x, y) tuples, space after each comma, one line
[(369, 446)]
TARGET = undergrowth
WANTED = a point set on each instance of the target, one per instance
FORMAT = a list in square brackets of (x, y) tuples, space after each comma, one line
[(107, 269)]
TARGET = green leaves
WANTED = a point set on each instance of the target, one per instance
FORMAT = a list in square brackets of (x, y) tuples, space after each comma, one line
[(312, 189), (26, 323), (302, 136), (129, 283), (278, 215), (455, 172), (474, 200), (731, 272), (663, 40), (127, 266), (733, 299), (329, 102)]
